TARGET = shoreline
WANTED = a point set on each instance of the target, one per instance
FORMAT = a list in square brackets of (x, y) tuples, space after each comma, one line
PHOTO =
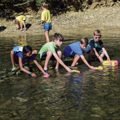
[(71, 24)]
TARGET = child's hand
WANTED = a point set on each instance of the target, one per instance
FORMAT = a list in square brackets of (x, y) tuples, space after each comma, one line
[(46, 75), (92, 67), (69, 70), (33, 75)]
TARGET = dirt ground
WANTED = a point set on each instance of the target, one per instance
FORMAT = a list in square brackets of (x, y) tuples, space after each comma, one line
[(70, 23)]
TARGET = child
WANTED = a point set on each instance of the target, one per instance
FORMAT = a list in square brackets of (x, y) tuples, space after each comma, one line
[(97, 46), (50, 49), (46, 21), (20, 22), (75, 50), (22, 55)]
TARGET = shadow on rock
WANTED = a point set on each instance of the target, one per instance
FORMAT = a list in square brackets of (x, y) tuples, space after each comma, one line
[(2, 28), (28, 25)]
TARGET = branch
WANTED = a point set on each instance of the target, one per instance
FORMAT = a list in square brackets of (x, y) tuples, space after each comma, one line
[(20, 4)]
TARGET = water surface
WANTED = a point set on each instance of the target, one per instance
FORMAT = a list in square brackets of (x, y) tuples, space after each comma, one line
[(91, 95)]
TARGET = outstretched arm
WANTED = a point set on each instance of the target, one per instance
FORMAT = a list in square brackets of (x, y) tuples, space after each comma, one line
[(61, 62), (39, 66), (98, 56), (25, 70), (85, 61), (106, 54)]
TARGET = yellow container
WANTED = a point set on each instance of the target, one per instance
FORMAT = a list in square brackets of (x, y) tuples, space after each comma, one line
[(110, 63), (99, 68)]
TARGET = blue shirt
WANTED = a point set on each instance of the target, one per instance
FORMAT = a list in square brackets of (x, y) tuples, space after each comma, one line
[(18, 53), (76, 48)]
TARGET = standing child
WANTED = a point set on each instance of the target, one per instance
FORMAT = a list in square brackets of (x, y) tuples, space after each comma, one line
[(50, 49), (46, 21), (20, 22), (75, 50), (22, 55), (96, 44)]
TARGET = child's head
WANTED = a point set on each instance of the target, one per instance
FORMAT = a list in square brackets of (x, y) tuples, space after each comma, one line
[(97, 35), (27, 51), (45, 5), (84, 42), (58, 39)]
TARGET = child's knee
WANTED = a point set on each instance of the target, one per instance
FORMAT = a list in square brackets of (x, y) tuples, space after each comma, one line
[(34, 52), (49, 53), (11, 52)]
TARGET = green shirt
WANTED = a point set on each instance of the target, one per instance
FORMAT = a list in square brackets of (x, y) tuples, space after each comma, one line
[(50, 46)]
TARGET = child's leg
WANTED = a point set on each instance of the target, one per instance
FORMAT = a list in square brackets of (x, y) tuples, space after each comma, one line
[(49, 55), (59, 53), (21, 25), (12, 58), (17, 24), (76, 58), (47, 36)]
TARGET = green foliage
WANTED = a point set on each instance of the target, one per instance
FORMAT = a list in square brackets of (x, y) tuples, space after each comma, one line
[(8, 7), (38, 2)]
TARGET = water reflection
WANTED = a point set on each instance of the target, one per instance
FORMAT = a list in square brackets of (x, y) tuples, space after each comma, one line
[(92, 95), (21, 40)]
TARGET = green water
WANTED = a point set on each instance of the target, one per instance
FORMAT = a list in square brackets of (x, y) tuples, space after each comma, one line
[(92, 95)]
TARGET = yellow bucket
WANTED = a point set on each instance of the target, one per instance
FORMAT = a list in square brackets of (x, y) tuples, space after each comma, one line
[(110, 63)]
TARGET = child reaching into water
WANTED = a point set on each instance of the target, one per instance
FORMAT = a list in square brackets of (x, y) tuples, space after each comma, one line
[(75, 50), (50, 49), (96, 44), (46, 21), (22, 55)]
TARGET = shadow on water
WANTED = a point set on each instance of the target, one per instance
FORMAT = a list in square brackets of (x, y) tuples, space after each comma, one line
[(2, 28), (91, 95)]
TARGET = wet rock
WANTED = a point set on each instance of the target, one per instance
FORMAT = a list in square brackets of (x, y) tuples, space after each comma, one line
[(21, 99)]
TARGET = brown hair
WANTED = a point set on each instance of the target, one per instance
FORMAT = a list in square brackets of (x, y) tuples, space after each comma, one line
[(58, 36), (84, 41), (45, 5), (97, 32)]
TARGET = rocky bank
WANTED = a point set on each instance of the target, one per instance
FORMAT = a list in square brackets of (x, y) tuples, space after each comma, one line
[(106, 19)]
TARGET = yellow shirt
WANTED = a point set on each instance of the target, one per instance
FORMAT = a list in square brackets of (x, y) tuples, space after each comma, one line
[(21, 18), (45, 16)]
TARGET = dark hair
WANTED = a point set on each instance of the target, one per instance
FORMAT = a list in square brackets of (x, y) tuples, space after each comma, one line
[(27, 49), (84, 41), (98, 32), (58, 36)]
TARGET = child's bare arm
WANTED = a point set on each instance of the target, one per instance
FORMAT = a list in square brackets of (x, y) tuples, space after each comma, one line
[(85, 61), (61, 62), (97, 55), (39, 66), (106, 54), (25, 70)]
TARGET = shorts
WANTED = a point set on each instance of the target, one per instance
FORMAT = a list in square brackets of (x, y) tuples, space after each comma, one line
[(18, 49), (68, 52), (47, 26), (43, 57)]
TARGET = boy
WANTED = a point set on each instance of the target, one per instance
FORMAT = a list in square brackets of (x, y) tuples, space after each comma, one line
[(75, 50), (20, 22), (46, 21), (22, 55), (50, 49), (97, 46)]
